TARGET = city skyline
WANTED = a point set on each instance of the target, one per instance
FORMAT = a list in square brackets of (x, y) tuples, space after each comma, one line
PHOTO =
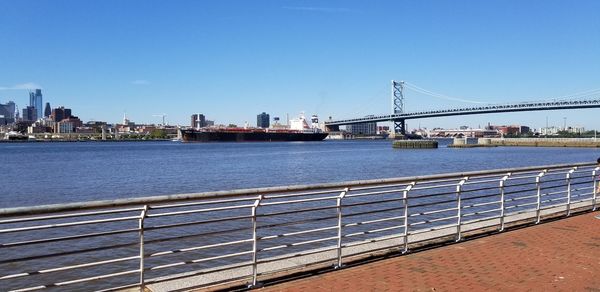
[(233, 60)]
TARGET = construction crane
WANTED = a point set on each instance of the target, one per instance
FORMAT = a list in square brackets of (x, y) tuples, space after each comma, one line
[(163, 118)]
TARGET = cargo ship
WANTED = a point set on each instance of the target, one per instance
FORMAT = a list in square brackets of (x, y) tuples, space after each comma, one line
[(298, 130)]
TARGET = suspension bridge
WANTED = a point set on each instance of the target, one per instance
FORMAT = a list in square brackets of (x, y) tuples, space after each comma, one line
[(399, 115)]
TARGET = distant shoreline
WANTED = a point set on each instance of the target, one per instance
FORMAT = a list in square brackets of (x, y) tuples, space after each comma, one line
[(84, 141)]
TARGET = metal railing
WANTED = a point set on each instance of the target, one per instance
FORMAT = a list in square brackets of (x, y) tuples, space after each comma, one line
[(248, 235)]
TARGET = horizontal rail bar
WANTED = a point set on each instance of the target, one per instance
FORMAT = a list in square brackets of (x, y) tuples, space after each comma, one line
[(372, 221), (481, 220), (45, 271), (372, 231), (479, 189), (186, 212), (482, 212), (210, 202), (204, 234), (481, 204), (432, 203), (373, 211), (61, 216), (554, 206), (199, 273), (432, 220), (297, 243), (477, 182), (64, 238), (290, 223), (57, 225), (447, 226), (155, 227), (436, 186), (375, 193), (520, 205), (195, 261), (302, 194), (65, 253), (296, 233), (78, 281), (296, 211), (296, 255), (300, 201), (520, 198), (432, 212), (372, 240), (373, 202), (161, 253)]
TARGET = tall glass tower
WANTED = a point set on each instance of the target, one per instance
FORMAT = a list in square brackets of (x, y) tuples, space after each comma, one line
[(47, 110), (35, 100)]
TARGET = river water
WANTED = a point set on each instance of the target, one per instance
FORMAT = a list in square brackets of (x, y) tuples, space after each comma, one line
[(50, 173)]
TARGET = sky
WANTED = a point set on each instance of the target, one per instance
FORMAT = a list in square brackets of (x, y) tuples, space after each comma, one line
[(231, 60)]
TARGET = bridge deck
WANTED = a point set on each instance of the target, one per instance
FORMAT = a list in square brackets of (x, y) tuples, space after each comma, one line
[(561, 255)]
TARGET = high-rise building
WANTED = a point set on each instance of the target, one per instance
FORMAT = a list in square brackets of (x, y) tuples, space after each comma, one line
[(29, 114), (60, 113), (7, 113), (198, 121), (35, 101), (262, 120), (47, 110)]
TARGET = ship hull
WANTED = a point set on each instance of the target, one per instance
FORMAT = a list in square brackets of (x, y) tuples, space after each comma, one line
[(200, 136)]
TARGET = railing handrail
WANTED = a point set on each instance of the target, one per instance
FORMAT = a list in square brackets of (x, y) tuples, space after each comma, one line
[(55, 208)]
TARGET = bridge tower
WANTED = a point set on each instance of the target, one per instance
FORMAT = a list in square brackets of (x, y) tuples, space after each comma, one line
[(398, 107)]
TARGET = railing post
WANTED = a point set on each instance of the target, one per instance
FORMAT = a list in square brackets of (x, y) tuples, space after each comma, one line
[(538, 185), (569, 190), (141, 235), (503, 200), (255, 243), (405, 198), (459, 207), (595, 196), (339, 216)]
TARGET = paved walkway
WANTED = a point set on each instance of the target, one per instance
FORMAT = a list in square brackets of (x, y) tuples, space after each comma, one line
[(562, 255)]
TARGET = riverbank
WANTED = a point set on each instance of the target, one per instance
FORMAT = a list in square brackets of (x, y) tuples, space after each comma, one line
[(75, 140), (528, 142)]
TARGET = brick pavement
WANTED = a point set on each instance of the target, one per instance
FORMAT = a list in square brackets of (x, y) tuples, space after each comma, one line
[(562, 255)]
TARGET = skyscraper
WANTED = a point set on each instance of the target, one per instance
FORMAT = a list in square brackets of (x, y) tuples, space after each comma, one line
[(29, 114), (35, 101), (47, 110), (7, 113), (262, 120)]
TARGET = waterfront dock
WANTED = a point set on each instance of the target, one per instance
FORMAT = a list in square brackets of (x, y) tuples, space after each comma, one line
[(415, 144), (561, 255), (527, 142)]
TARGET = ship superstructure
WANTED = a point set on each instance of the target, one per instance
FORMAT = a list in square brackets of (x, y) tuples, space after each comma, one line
[(299, 130)]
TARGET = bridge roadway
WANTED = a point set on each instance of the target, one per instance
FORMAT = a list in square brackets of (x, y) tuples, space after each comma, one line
[(561, 255), (488, 109)]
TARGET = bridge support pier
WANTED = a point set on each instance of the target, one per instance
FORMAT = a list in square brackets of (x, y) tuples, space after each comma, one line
[(400, 128)]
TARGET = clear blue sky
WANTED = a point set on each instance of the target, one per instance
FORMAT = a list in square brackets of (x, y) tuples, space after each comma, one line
[(234, 59)]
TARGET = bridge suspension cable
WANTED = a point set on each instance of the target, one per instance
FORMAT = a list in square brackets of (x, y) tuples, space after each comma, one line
[(438, 95), (587, 93), (578, 95)]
